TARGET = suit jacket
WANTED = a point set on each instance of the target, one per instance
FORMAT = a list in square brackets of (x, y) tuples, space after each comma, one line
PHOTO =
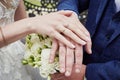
[(103, 23)]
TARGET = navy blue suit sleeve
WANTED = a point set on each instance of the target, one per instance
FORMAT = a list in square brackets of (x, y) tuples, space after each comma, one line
[(103, 71), (75, 5)]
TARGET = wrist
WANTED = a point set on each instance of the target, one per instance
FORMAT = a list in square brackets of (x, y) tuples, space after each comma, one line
[(28, 24)]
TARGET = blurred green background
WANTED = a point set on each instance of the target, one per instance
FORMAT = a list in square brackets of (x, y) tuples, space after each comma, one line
[(36, 2), (41, 7)]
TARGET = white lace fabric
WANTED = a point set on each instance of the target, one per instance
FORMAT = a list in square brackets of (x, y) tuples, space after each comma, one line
[(11, 55)]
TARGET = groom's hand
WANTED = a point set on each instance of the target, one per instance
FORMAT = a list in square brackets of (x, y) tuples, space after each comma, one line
[(74, 75), (68, 57)]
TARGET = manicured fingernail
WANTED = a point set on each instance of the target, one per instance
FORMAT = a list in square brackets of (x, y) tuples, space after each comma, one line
[(67, 73), (73, 46), (90, 51), (62, 70), (83, 43), (77, 70)]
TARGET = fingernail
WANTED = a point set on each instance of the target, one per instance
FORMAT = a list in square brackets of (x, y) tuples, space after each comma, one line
[(90, 51), (67, 73), (77, 70), (73, 46), (83, 43), (62, 70)]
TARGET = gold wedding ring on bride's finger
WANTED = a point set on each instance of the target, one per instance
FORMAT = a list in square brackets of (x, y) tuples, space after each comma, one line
[(70, 33), (63, 30)]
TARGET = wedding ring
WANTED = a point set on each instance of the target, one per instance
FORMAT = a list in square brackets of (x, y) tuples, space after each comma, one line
[(63, 31)]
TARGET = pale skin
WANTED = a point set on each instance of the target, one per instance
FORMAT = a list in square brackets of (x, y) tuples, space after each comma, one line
[(74, 75), (52, 24), (67, 54)]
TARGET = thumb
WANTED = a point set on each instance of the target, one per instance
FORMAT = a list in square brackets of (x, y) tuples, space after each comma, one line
[(66, 12)]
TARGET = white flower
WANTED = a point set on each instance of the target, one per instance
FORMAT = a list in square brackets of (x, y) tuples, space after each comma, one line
[(45, 54), (46, 68), (35, 47), (38, 53), (34, 38)]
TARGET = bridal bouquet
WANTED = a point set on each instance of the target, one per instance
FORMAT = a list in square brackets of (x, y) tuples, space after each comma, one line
[(37, 55)]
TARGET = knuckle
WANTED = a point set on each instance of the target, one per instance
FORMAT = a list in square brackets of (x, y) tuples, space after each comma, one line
[(78, 55), (68, 66), (69, 55), (57, 24), (89, 41), (59, 27), (62, 52), (51, 32), (60, 18), (78, 65), (61, 62)]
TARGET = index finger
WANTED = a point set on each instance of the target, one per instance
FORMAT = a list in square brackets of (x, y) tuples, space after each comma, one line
[(53, 50)]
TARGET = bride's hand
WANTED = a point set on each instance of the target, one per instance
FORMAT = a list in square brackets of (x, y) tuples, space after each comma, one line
[(54, 24)]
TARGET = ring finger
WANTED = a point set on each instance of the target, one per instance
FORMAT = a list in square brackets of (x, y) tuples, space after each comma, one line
[(62, 52), (70, 34), (69, 61)]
